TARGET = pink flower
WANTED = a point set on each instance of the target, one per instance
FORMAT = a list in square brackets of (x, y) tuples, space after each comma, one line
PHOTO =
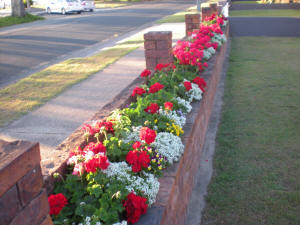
[(78, 169)]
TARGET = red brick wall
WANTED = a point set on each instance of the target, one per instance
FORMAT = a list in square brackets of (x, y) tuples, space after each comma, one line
[(177, 183), (22, 198)]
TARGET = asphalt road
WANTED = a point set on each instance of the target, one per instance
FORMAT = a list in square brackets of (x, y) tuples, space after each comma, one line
[(30, 47)]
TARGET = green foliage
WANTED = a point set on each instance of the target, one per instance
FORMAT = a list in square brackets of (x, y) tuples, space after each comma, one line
[(121, 122), (116, 149)]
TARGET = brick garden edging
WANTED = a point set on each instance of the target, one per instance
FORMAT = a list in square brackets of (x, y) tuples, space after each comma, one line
[(177, 183)]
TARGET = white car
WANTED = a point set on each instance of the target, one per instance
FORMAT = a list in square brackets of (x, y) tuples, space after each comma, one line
[(88, 5), (64, 6), (4, 4)]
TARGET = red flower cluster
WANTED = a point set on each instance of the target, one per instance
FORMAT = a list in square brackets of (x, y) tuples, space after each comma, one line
[(108, 126), (145, 73), (95, 147), (138, 160), (57, 203), (152, 108), (200, 82), (136, 145), (138, 91), (99, 161), (135, 206), (187, 85), (161, 66), (156, 87), (147, 135), (168, 105), (96, 128)]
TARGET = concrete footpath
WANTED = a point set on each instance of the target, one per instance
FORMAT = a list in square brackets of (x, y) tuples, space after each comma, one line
[(53, 122)]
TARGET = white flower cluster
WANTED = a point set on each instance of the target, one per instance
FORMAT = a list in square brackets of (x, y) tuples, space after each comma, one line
[(134, 135), (149, 185), (87, 221), (219, 38), (184, 103), (208, 53), (172, 115), (169, 145), (124, 222), (194, 93)]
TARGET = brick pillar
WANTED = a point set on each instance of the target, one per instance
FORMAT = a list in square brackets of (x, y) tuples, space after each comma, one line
[(214, 8), (192, 22), (205, 11), (22, 198), (158, 48)]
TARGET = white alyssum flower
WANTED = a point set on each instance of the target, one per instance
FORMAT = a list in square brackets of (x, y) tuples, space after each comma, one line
[(172, 115), (134, 135), (149, 185), (184, 103), (219, 38), (195, 93), (207, 53), (124, 222), (169, 145)]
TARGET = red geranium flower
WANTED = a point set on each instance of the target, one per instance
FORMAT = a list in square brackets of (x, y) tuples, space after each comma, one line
[(138, 91), (187, 85), (108, 126), (99, 161), (147, 135), (57, 203), (200, 82), (136, 145), (145, 73), (138, 160), (135, 206), (168, 105), (152, 108), (156, 87), (95, 147)]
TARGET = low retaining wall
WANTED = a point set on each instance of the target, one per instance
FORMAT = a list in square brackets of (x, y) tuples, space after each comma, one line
[(177, 183)]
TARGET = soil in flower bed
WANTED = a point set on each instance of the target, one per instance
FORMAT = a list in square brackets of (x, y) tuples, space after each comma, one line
[(257, 169)]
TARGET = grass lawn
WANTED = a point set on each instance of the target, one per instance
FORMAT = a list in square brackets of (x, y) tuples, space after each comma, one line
[(178, 17), (267, 13), (35, 90), (11, 20), (257, 159)]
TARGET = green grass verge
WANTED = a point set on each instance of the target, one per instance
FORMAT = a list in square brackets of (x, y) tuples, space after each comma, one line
[(178, 17), (257, 159), (11, 20), (35, 90), (266, 13)]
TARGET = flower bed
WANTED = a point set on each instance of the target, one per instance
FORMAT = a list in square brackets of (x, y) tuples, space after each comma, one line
[(114, 173)]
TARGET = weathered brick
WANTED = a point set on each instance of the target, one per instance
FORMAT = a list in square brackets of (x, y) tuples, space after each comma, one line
[(158, 35), (150, 54), (30, 185), (165, 60), (35, 212), (214, 7), (163, 53), (151, 63), (47, 221), (164, 44), (19, 157), (9, 205), (165, 188), (149, 45)]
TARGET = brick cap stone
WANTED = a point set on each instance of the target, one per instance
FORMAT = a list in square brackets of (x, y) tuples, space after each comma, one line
[(158, 35)]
